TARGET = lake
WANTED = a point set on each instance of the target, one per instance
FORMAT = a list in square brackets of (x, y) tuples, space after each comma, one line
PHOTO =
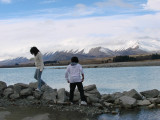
[(107, 80)]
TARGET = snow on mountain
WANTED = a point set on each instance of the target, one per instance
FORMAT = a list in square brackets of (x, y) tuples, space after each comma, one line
[(15, 61), (86, 53)]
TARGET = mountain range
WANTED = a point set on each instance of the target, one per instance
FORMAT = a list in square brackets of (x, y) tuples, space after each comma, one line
[(97, 52)]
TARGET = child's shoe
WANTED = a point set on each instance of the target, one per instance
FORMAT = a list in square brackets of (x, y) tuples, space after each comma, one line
[(83, 103)]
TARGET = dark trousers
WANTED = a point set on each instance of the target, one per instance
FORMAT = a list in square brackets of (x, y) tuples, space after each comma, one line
[(80, 88)]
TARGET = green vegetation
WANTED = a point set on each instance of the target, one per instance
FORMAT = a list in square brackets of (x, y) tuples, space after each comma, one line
[(127, 58)]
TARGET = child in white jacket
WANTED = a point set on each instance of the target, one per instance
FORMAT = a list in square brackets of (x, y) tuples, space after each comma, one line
[(73, 75)]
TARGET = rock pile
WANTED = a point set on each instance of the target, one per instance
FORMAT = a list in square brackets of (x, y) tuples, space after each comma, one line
[(126, 99)]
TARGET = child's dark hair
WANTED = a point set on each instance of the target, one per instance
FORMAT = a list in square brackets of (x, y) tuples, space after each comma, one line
[(34, 51), (75, 59)]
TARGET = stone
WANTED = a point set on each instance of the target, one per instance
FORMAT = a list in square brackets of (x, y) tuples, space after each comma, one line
[(17, 88), (26, 92), (46, 88), (150, 93), (158, 105), (152, 100), (97, 105), (76, 96), (7, 92), (93, 99), (30, 98), (108, 104), (151, 106), (108, 98), (37, 94), (15, 96), (143, 102), (3, 85), (93, 92), (114, 112), (157, 101), (50, 96), (134, 94), (90, 87), (61, 95), (127, 102), (22, 85), (33, 85), (117, 95)]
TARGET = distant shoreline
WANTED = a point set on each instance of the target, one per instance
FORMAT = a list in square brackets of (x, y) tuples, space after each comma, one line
[(124, 64), (104, 65)]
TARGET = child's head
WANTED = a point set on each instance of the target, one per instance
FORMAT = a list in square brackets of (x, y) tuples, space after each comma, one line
[(74, 59), (34, 51)]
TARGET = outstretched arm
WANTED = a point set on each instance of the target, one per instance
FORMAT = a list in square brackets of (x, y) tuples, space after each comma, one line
[(82, 77), (66, 75)]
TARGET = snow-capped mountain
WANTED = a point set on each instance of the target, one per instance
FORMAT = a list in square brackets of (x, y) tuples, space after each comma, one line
[(16, 61), (97, 52)]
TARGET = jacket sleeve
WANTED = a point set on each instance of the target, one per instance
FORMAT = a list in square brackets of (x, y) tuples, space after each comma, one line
[(41, 62), (67, 74), (81, 70)]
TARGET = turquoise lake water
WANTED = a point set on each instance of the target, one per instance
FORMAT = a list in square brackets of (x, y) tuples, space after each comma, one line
[(107, 80)]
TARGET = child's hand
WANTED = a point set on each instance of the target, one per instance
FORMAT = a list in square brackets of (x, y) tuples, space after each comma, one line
[(68, 81), (82, 79)]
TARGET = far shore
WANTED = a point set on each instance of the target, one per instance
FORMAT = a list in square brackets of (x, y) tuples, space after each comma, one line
[(125, 64), (119, 64), (104, 65)]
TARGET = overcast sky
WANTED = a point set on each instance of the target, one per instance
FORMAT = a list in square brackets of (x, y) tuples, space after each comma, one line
[(76, 24)]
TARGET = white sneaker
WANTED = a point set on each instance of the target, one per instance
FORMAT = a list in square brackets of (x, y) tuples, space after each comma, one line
[(38, 90), (83, 103), (71, 103)]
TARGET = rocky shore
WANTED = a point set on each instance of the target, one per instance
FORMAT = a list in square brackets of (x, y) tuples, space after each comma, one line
[(26, 95)]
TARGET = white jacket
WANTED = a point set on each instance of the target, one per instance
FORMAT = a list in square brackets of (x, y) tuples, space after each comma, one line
[(73, 73), (39, 61)]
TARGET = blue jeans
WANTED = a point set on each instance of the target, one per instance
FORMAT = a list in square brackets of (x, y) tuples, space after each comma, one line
[(37, 76)]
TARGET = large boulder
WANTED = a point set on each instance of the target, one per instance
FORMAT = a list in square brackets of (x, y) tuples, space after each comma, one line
[(62, 95), (152, 100), (3, 85), (134, 94), (46, 88), (50, 96), (37, 94), (150, 93), (108, 98), (92, 99), (20, 86), (15, 96), (127, 102), (33, 85), (94, 92), (117, 95), (77, 96), (7, 92), (157, 101), (26, 92), (143, 102), (90, 87)]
